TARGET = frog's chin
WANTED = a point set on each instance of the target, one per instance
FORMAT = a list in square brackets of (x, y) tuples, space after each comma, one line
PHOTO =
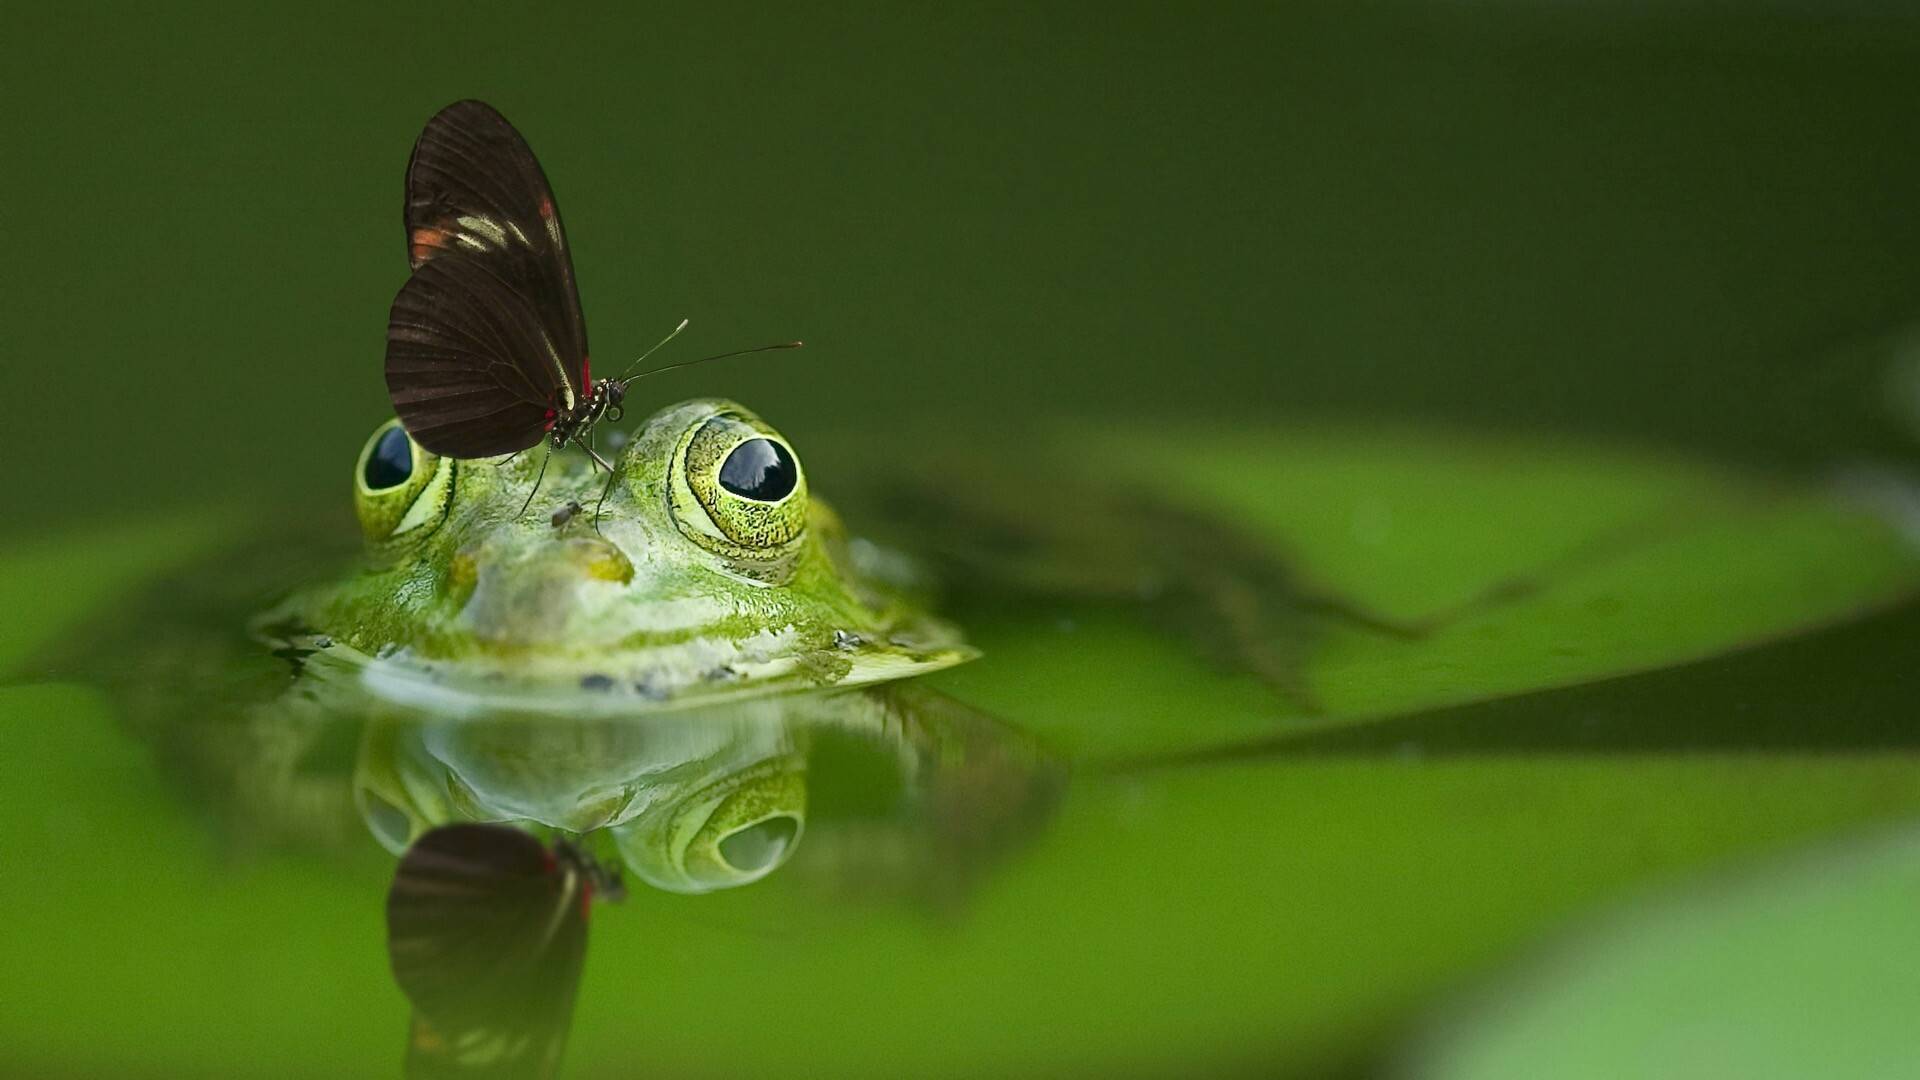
[(625, 682)]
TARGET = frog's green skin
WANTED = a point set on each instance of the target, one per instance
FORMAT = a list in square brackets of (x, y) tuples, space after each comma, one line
[(678, 591)]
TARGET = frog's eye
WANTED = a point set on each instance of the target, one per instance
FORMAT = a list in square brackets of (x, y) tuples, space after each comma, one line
[(759, 470), (731, 833), (399, 489), (389, 460), (749, 496)]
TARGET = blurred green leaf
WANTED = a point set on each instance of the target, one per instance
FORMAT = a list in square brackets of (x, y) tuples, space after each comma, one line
[(1801, 968), (1541, 563)]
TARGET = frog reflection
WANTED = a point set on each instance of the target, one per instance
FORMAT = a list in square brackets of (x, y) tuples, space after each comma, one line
[(716, 797), (487, 938), (692, 802)]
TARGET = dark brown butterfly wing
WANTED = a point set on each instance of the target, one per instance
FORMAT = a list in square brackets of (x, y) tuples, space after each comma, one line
[(470, 368), (487, 933), (477, 195), (480, 1053)]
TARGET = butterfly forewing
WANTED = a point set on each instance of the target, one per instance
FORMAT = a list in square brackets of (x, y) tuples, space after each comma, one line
[(476, 197)]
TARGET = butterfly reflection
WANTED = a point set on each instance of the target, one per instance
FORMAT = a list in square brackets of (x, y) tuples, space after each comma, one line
[(487, 934)]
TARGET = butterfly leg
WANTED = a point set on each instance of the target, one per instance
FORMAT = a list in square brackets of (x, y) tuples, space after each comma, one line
[(542, 475), (604, 491)]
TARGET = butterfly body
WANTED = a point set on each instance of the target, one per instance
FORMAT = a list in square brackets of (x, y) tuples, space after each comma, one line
[(604, 401)]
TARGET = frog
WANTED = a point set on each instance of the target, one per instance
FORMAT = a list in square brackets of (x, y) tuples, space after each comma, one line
[(706, 571), (703, 584), (646, 663)]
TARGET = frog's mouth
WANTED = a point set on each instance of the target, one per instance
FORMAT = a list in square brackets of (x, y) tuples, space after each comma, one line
[(574, 626)]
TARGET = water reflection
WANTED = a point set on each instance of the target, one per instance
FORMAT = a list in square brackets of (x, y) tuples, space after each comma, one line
[(487, 932), (505, 820), (692, 801)]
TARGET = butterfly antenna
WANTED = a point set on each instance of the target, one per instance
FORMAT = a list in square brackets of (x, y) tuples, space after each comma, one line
[(715, 356), (674, 333)]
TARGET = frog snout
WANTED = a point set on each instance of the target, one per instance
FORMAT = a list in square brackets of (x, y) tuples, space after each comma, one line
[(596, 558), (529, 596)]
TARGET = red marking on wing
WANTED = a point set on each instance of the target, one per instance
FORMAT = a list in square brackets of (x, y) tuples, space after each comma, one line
[(546, 208), (586, 372), (551, 416), (425, 242)]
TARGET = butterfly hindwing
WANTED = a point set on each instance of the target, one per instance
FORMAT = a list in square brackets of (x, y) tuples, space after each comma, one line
[(471, 370)]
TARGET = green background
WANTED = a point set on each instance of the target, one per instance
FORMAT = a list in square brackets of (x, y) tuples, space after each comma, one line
[(1643, 219)]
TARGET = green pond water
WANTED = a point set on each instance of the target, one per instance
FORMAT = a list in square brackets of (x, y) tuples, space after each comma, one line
[(1499, 663)]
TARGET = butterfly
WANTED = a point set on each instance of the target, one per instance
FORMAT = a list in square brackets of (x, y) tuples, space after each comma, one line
[(486, 344), (487, 935)]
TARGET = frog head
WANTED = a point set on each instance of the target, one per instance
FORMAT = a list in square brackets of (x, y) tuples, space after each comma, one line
[(702, 566)]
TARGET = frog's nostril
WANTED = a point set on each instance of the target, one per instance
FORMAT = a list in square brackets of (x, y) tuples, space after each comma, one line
[(760, 845)]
